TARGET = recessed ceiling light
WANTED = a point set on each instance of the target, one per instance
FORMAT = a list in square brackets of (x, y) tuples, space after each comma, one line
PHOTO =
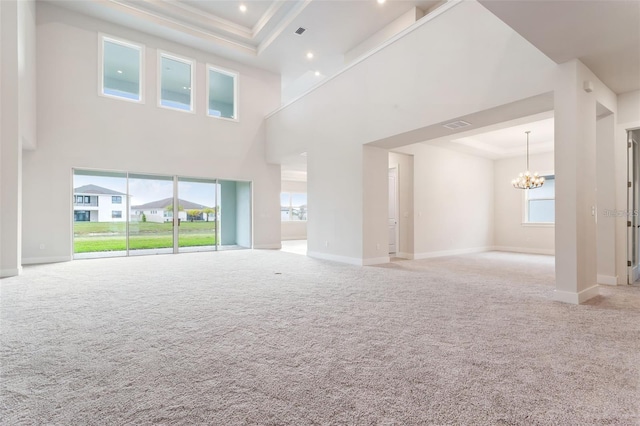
[(309, 55), (119, 71), (381, 1), (317, 73), (243, 8)]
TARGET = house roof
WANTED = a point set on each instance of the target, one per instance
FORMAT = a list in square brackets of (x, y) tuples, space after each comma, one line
[(95, 189), (162, 204)]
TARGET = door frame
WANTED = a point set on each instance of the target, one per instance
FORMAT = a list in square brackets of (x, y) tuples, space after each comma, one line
[(633, 200)]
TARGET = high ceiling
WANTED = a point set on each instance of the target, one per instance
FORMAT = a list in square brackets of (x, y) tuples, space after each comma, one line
[(603, 34), (263, 35)]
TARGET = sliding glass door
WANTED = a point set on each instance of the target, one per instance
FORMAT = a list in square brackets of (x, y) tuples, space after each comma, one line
[(99, 214), (150, 225), (197, 212), (120, 214)]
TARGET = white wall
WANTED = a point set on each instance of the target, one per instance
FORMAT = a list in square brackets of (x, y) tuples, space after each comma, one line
[(27, 72), (17, 122), (79, 128), (510, 234), (606, 199), (243, 218), (420, 80), (293, 229), (402, 22), (453, 201), (375, 227)]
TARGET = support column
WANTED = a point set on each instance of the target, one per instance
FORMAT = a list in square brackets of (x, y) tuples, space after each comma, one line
[(334, 185), (10, 143), (575, 171), (606, 224), (375, 217)]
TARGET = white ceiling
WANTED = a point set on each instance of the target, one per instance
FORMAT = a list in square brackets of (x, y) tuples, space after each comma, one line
[(509, 139), (604, 35)]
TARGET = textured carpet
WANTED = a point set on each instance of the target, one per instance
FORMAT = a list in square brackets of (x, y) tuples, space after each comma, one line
[(267, 337)]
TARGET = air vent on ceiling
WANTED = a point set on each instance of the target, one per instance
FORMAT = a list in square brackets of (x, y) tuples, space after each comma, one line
[(300, 30), (456, 124)]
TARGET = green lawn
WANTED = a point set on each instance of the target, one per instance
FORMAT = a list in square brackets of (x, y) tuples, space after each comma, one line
[(89, 228), (107, 236)]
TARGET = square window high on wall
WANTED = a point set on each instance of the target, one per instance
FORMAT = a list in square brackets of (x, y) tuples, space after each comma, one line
[(176, 82), (222, 95), (121, 69)]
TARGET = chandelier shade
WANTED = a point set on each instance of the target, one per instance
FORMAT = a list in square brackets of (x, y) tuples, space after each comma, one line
[(528, 180)]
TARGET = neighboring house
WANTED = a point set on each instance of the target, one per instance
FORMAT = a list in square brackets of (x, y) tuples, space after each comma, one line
[(160, 211), (92, 203)]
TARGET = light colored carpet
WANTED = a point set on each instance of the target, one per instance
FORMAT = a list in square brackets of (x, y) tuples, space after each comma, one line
[(267, 337), (295, 246)]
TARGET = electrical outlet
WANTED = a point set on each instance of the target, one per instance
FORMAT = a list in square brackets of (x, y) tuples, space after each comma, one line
[(326, 243), (378, 246), (41, 246)]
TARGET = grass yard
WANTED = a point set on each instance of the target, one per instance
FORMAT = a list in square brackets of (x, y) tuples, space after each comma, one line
[(110, 236), (82, 229)]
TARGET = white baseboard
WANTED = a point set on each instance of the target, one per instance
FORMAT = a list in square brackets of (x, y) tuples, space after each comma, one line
[(295, 237), (405, 255), (607, 280), (274, 246), (528, 250), (576, 298), (375, 261), (6, 273), (40, 260), (432, 254), (335, 258)]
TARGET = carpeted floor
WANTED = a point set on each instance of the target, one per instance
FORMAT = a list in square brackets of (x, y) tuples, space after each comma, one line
[(267, 337)]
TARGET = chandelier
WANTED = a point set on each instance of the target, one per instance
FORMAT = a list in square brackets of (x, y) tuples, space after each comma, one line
[(527, 180)]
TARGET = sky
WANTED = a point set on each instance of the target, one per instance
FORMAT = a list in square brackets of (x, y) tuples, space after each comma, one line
[(146, 190)]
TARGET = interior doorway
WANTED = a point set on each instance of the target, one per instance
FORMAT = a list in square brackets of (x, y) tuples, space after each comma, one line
[(633, 206), (393, 210)]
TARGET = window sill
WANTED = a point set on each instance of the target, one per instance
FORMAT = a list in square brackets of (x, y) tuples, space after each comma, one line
[(234, 120), (293, 221), (538, 224)]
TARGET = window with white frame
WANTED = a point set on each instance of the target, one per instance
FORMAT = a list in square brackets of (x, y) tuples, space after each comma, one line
[(293, 206), (176, 82), (116, 214), (540, 203), (222, 93), (121, 69)]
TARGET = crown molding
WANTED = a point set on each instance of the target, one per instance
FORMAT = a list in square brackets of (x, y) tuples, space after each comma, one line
[(185, 18), (177, 25)]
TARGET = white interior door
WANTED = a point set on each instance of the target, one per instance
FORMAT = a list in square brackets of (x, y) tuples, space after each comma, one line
[(633, 207), (393, 210)]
